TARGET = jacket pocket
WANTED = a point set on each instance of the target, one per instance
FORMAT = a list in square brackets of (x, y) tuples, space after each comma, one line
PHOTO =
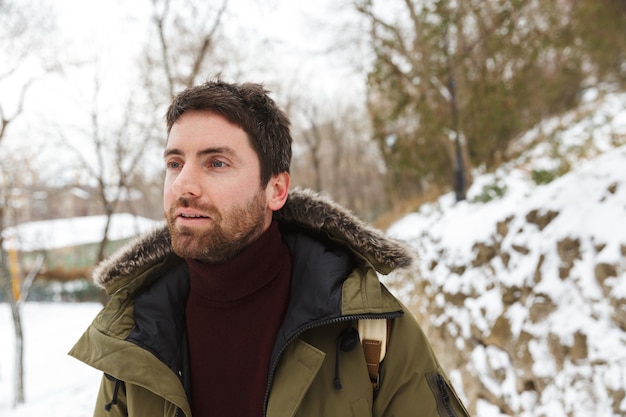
[(448, 402)]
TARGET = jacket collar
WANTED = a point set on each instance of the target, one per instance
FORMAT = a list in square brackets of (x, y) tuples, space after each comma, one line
[(303, 209)]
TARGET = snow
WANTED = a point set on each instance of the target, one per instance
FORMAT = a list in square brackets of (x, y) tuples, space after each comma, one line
[(55, 384), (61, 233)]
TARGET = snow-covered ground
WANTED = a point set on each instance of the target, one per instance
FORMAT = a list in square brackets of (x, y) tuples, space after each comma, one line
[(61, 233), (591, 207), (55, 384)]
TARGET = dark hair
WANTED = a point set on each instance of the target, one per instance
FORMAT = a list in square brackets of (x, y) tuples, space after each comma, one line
[(249, 107)]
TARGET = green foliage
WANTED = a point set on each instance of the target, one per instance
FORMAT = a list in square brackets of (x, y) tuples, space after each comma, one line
[(601, 26), (491, 192), (544, 176), (510, 64)]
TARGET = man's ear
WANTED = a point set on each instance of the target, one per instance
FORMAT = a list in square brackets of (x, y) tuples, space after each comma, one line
[(277, 190)]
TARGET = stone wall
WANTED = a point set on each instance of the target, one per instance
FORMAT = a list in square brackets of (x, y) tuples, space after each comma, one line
[(526, 329)]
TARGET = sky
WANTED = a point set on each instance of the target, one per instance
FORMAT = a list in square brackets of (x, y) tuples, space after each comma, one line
[(115, 29), (285, 39)]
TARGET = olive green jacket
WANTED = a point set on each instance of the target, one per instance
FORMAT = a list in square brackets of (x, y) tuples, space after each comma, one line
[(138, 340)]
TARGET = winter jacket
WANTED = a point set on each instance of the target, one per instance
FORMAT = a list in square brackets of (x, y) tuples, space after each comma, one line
[(138, 339)]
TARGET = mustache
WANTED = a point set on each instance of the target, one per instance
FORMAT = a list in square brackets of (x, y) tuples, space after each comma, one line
[(184, 202)]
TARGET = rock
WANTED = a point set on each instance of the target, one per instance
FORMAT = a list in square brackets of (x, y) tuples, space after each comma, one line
[(603, 271), (484, 253), (569, 251), (521, 249), (502, 227), (537, 276), (540, 219), (579, 350), (500, 335), (619, 312), (541, 307)]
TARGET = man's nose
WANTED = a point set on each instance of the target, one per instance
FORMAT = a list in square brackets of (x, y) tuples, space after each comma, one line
[(187, 181)]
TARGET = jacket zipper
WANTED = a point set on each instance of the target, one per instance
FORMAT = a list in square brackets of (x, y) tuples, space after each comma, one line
[(443, 389), (383, 316)]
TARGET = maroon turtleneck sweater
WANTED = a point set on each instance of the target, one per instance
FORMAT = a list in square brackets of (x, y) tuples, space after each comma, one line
[(233, 314)]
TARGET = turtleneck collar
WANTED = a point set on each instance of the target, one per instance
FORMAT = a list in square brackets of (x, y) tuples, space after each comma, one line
[(244, 274)]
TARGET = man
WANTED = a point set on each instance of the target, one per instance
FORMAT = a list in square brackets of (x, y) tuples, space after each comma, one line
[(249, 301)]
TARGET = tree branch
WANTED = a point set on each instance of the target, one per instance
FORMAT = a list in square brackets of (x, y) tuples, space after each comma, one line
[(204, 47)]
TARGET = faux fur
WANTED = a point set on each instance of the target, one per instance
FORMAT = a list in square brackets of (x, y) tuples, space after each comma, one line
[(303, 208)]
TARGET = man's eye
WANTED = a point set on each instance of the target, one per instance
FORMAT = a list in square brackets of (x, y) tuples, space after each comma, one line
[(217, 164), (173, 165)]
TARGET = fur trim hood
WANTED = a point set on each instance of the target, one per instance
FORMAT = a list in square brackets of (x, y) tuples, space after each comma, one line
[(304, 208)]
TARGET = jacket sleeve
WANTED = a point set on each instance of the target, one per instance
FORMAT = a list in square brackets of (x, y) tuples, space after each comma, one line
[(412, 383), (111, 401)]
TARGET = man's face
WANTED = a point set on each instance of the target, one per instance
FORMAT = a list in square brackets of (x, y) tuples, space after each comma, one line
[(213, 201)]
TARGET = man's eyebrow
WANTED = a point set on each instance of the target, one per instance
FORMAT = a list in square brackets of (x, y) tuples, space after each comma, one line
[(222, 149), (208, 151), (171, 151)]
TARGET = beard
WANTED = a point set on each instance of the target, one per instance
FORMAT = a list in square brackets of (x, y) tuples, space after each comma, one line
[(229, 234)]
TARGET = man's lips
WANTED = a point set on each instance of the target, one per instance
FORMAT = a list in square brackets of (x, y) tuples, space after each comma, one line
[(191, 215)]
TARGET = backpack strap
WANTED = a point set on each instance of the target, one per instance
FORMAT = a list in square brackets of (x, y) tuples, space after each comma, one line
[(374, 334)]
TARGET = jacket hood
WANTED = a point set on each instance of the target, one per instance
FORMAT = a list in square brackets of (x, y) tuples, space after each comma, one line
[(303, 209)]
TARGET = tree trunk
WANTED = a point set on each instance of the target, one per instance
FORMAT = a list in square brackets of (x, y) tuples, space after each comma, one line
[(18, 395), (15, 304)]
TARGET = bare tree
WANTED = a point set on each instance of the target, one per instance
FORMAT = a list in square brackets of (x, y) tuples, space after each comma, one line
[(23, 27), (313, 139), (333, 153), (187, 35), (110, 150), (6, 119), (16, 173), (17, 287)]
